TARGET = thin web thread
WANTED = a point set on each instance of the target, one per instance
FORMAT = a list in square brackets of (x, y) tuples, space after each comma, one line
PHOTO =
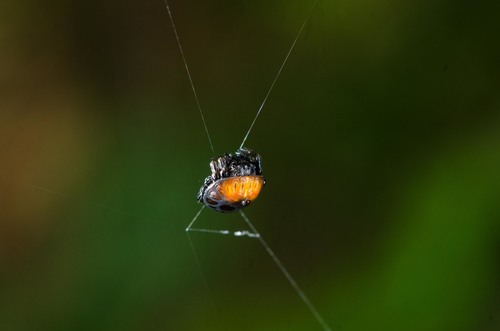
[(278, 74), (198, 263), (195, 218), (288, 276), (189, 76), (255, 234), (239, 233)]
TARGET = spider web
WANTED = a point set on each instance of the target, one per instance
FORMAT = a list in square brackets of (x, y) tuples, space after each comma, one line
[(252, 231)]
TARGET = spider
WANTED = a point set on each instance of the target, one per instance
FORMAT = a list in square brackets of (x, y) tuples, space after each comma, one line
[(236, 180)]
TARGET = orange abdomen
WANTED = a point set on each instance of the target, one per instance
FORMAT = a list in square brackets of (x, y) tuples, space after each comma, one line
[(243, 188)]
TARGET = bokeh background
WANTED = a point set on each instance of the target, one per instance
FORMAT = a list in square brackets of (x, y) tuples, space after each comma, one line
[(381, 149)]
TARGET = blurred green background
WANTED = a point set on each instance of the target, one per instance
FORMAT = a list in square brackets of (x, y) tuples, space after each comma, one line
[(381, 149)]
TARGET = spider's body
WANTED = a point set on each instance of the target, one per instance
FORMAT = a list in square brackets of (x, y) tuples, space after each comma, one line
[(236, 180)]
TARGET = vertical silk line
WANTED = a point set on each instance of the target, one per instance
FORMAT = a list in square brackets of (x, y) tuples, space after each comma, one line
[(189, 76), (278, 74), (288, 276), (198, 263)]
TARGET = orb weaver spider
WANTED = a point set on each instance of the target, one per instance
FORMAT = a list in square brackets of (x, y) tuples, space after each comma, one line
[(236, 180)]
